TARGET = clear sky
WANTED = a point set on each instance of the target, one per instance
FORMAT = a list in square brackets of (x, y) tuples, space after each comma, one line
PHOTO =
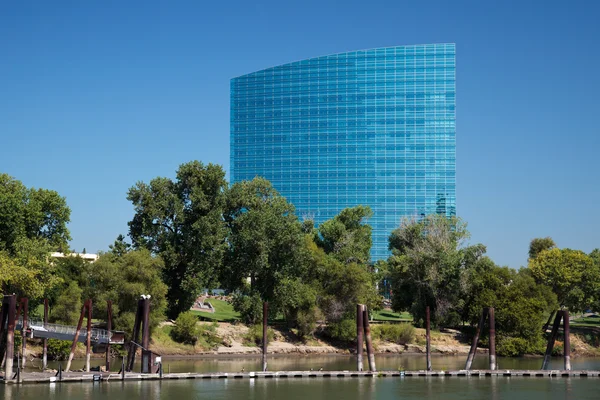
[(96, 95)]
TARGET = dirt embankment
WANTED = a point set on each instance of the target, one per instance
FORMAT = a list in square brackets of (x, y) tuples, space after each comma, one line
[(232, 337)]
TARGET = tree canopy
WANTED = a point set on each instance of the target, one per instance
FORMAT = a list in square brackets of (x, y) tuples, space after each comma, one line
[(31, 214), (521, 306), (428, 267), (538, 245), (347, 236), (572, 275), (264, 236), (181, 220), (33, 222)]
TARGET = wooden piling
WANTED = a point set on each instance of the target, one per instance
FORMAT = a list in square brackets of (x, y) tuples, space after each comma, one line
[(567, 344), (108, 328), (428, 337), (3, 323), (45, 341), (88, 339), (473, 350), (25, 305), (135, 338), (146, 322), (492, 323), (359, 337), (552, 338), (77, 331), (547, 324), (10, 336), (370, 353), (265, 336)]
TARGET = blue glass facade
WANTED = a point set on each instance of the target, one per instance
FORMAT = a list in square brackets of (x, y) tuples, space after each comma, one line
[(373, 127)]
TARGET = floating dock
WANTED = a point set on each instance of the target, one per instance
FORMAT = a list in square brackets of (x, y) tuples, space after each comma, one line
[(47, 377)]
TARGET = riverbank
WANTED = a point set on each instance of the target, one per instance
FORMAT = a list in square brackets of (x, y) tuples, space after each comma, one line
[(234, 341)]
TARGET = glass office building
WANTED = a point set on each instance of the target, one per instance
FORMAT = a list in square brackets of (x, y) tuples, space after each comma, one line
[(372, 127)]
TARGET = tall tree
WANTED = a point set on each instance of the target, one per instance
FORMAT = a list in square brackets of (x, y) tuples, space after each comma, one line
[(428, 267), (181, 221), (572, 275), (120, 247), (265, 237), (347, 236), (34, 214), (538, 245)]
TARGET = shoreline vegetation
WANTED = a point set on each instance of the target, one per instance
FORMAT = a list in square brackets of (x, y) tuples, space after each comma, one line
[(231, 340), (197, 231)]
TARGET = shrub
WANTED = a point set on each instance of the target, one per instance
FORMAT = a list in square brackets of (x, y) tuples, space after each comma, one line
[(514, 346), (255, 335), (306, 321), (186, 328), (396, 333), (208, 335), (344, 330), (249, 306), (58, 349)]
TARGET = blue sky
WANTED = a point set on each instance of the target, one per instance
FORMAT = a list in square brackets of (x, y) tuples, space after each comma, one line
[(97, 95)]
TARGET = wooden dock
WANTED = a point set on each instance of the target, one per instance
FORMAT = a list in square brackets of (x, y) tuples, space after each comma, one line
[(41, 377)]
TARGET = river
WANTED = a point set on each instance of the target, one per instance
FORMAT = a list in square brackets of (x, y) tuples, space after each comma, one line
[(514, 388)]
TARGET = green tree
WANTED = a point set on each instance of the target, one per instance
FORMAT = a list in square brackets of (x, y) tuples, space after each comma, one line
[(120, 247), (182, 222), (595, 256), (520, 304), (297, 300), (347, 236), (67, 307), (123, 279), (428, 267), (34, 214), (27, 272), (265, 238), (33, 222), (572, 275), (538, 245)]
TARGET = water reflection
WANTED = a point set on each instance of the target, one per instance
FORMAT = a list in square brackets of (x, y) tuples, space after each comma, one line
[(447, 388)]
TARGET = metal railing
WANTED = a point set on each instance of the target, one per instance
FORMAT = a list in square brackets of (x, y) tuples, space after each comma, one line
[(98, 335)]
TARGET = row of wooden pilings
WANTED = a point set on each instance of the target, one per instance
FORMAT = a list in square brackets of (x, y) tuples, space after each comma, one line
[(10, 314), (8, 319), (363, 334)]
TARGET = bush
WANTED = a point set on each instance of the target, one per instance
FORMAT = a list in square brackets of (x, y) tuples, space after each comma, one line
[(255, 335), (249, 306), (208, 335), (58, 349), (186, 328), (396, 333), (306, 321), (344, 330), (515, 347)]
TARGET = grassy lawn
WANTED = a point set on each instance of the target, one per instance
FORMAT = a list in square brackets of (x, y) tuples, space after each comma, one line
[(591, 321), (389, 315), (223, 312)]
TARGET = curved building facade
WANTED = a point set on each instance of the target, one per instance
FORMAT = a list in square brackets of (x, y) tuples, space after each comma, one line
[(372, 127)]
